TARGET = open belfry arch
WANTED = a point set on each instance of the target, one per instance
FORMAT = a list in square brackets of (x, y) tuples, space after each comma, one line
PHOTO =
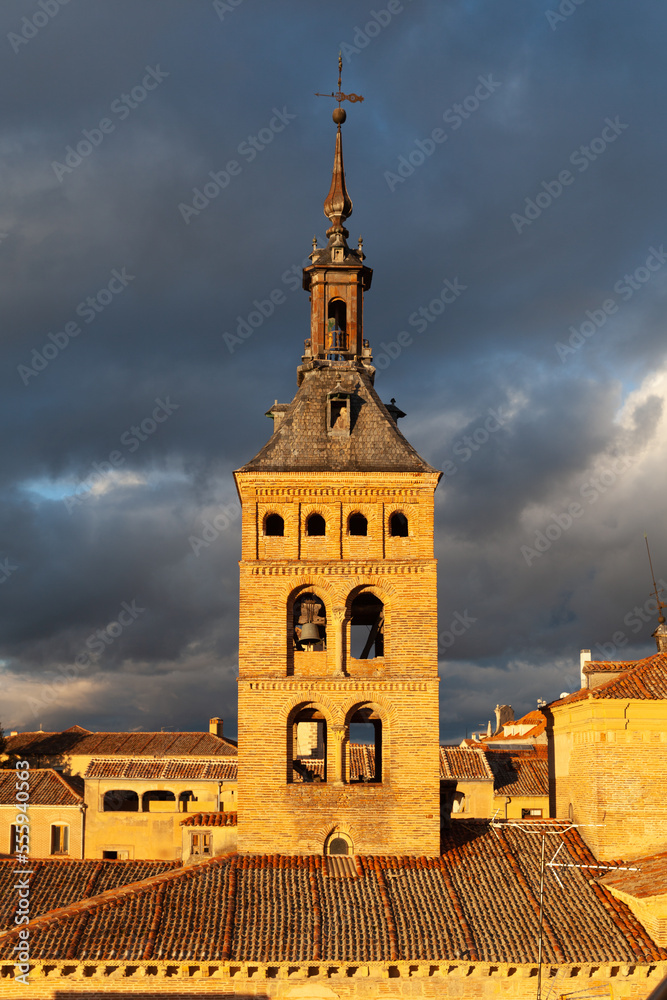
[(337, 570)]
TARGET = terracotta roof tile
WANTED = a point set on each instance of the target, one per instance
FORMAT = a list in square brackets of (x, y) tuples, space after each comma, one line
[(216, 770), (644, 680), (464, 763), (82, 742), (210, 819), (650, 880), (523, 771), (47, 788), (477, 901)]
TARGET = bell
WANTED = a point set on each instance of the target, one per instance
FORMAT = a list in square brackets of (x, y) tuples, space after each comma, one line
[(310, 634)]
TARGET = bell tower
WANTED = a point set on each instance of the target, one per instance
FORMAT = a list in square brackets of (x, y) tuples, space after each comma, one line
[(338, 681)]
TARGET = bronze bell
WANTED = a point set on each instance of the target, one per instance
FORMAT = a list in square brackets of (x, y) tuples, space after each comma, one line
[(310, 634)]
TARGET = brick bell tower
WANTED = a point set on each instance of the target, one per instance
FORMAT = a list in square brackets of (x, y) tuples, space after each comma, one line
[(338, 630)]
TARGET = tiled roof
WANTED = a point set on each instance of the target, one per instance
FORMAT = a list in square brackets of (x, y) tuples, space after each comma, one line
[(362, 763), (602, 666), (129, 744), (537, 722), (644, 680), (47, 788), (301, 442), (522, 771), (478, 901), (216, 770), (55, 884), (210, 819), (464, 763), (651, 880)]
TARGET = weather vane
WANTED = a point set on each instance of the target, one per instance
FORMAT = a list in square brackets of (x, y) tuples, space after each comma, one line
[(340, 96)]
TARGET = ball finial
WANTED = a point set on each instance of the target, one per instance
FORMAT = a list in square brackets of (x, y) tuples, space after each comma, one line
[(339, 115)]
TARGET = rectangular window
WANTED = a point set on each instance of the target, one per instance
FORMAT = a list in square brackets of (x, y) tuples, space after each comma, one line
[(200, 844), (531, 814), (12, 839), (59, 838)]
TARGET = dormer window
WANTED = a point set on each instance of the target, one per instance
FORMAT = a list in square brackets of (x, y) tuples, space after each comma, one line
[(338, 412)]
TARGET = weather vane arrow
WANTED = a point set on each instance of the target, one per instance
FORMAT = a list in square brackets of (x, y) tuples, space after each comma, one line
[(339, 95)]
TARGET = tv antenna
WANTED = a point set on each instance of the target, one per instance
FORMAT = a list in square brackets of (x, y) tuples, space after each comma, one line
[(661, 604)]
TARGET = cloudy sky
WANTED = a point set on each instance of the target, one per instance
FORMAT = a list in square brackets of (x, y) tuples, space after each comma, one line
[(163, 169)]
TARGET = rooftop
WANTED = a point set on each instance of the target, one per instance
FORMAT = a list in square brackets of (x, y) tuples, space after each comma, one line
[(80, 741), (643, 680), (47, 788), (215, 770), (477, 901)]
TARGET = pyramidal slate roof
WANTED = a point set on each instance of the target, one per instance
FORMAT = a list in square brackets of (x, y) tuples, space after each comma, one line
[(301, 442)]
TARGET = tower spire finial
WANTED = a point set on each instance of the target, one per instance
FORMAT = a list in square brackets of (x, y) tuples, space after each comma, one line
[(338, 204)]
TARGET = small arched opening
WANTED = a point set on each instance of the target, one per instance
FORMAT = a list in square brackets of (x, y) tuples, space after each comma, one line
[(357, 524), (398, 525), (153, 801), (309, 621), (306, 738), (184, 799), (366, 627), (365, 745), (120, 800), (274, 525), (316, 525), (336, 343), (338, 842)]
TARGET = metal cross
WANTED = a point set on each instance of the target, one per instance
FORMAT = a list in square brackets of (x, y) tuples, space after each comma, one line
[(339, 95)]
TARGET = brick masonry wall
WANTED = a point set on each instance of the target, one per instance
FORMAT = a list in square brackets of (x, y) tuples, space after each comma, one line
[(400, 815), (330, 981), (610, 765), (41, 819)]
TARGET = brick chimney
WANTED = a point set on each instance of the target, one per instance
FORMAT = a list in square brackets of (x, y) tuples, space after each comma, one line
[(584, 658), (215, 726)]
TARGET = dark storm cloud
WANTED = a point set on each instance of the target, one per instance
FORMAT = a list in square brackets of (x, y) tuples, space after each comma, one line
[(564, 415)]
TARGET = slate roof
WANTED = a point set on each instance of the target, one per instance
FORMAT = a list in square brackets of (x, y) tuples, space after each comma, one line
[(77, 741), (57, 884), (301, 443), (463, 763), (522, 771), (215, 770), (47, 788), (478, 901), (651, 880), (643, 680), (210, 819)]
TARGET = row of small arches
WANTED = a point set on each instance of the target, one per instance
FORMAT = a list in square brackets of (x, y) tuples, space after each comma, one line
[(357, 524)]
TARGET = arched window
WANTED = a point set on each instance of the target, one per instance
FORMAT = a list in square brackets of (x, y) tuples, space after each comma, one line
[(365, 745), (336, 328), (274, 525), (357, 524), (156, 796), (303, 767), (398, 525), (309, 623), (367, 627), (120, 800), (183, 800), (338, 843), (316, 525)]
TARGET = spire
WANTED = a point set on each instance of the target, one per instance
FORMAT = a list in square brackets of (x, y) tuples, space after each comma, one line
[(338, 204)]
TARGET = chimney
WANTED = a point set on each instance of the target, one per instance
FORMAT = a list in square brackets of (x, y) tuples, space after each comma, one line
[(504, 714), (215, 726), (584, 658)]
